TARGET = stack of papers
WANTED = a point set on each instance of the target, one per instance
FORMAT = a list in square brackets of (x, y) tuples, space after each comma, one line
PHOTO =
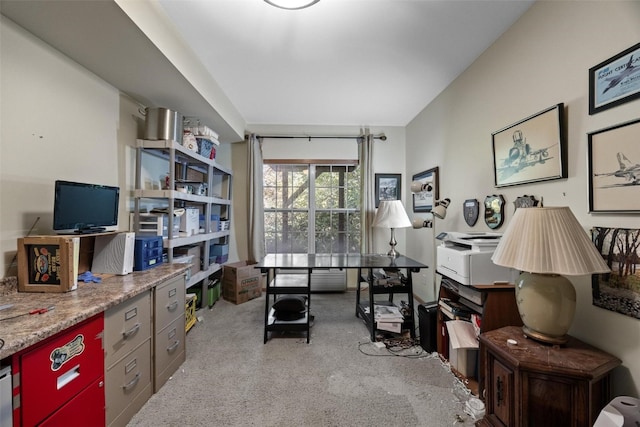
[(388, 317)]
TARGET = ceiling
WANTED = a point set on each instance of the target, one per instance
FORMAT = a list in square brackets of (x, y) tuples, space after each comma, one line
[(238, 63), (339, 62)]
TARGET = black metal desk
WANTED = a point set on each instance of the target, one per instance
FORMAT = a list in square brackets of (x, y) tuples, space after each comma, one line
[(365, 263)]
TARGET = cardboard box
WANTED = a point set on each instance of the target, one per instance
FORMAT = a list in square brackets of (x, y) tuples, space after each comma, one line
[(241, 282), (190, 221)]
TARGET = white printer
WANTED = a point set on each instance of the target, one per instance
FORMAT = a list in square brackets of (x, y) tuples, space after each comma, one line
[(466, 258)]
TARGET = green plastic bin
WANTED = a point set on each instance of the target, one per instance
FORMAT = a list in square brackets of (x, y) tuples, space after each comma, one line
[(213, 292)]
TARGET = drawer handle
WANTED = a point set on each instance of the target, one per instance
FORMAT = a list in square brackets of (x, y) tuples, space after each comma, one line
[(132, 331), (173, 347), (68, 376), (172, 306), (499, 390), (132, 383)]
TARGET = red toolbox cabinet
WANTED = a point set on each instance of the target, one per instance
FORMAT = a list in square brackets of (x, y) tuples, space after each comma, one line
[(63, 375)]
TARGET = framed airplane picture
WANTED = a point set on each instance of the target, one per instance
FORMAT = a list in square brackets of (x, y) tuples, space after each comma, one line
[(531, 150), (615, 81), (614, 168)]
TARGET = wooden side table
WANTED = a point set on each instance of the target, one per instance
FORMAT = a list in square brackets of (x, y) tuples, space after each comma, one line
[(535, 384)]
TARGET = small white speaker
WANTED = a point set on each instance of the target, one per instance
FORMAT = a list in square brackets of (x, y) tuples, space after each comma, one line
[(113, 254)]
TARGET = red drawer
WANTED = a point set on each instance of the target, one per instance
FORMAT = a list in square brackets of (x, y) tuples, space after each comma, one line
[(58, 369), (86, 409)]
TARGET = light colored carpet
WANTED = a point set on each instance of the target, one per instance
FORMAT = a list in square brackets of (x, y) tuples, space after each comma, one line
[(230, 378)]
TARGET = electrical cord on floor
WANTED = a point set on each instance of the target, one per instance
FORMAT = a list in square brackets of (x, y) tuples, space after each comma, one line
[(409, 351)]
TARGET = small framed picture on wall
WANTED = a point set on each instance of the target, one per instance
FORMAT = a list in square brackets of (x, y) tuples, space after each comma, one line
[(424, 200), (388, 187)]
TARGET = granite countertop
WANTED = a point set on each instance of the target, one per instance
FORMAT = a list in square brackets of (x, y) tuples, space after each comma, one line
[(72, 307)]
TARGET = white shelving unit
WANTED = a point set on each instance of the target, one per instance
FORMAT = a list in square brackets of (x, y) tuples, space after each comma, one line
[(182, 163)]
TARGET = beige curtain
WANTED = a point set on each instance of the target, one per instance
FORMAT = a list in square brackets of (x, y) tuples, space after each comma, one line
[(367, 195), (255, 201)]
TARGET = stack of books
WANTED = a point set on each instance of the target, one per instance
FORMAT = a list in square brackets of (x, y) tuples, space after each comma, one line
[(454, 310)]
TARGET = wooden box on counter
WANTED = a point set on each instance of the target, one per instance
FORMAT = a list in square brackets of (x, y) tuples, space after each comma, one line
[(51, 263)]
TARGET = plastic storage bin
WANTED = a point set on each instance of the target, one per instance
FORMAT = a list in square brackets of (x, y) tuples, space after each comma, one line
[(197, 291), (214, 291), (219, 253), (214, 224), (147, 252), (190, 311)]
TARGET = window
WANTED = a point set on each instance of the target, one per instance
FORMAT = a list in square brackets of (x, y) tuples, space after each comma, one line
[(312, 208)]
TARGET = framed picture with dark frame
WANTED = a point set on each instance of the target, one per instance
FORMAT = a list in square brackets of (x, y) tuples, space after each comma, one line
[(388, 187), (615, 291), (423, 201), (531, 150), (615, 81), (614, 174)]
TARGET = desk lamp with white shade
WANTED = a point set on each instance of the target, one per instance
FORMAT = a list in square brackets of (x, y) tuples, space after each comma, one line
[(391, 214)]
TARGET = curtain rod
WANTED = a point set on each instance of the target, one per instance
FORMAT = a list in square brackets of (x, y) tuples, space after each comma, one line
[(381, 137)]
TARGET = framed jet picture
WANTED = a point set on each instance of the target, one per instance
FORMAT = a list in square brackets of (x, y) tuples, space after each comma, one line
[(615, 81), (531, 150), (614, 169)]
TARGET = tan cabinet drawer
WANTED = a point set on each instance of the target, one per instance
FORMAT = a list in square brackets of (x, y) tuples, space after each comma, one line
[(169, 351), (126, 326), (169, 302), (128, 383)]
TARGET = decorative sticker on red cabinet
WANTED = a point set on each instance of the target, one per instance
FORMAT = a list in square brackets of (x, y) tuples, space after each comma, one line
[(62, 355)]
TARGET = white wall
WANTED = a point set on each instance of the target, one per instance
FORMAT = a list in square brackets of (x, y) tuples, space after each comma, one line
[(58, 122), (541, 61)]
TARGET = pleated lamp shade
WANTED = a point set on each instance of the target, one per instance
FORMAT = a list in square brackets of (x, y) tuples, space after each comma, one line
[(548, 240), (391, 214), (546, 244)]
